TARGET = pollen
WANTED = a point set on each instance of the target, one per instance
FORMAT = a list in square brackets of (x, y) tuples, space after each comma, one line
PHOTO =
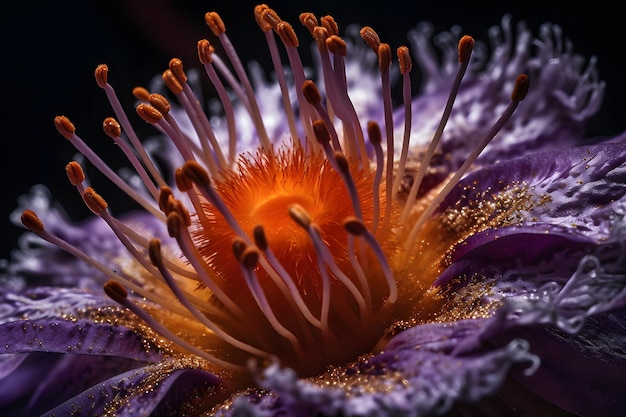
[(302, 249)]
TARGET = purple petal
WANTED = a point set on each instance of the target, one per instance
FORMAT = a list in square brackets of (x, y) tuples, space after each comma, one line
[(147, 391)]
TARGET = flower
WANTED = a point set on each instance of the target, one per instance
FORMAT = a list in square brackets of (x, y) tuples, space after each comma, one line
[(293, 265)]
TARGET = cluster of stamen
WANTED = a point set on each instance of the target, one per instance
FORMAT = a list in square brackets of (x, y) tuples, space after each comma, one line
[(315, 287)]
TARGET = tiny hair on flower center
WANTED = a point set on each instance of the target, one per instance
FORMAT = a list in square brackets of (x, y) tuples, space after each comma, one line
[(307, 246)]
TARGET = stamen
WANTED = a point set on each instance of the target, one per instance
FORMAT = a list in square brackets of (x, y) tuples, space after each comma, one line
[(375, 137), (157, 260), (329, 23), (101, 75), (356, 227), (75, 173), (309, 21), (371, 38), (344, 171), (519, 93), (384, 63), (404, 60), (140, 93), (216, 25), (312, 95), (248, 260), (466, 45), (119, 294)]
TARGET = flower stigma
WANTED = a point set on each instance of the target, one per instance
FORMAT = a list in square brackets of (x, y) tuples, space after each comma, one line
[(310, 249)]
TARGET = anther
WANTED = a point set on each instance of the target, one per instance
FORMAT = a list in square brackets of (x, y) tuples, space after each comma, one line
[(31, 221), (374, 133), (320, 35), (154, 252), (160, 103), (260, 20), (94, 201), (287, 34), (249, 258), (115, 291), (299, 215), (64, 127), (466, 46), (342, 163), (205, 50), (354, 226), (260, 239), (521, 88), (329, 23), (215, 23), (336, 45), (370, 37), (171, 82), (308, 20), (140, 93), (165, 192), (176, 66), (271, 17), (384, 57), (322, 134), (183, 182), (101, 74), (180, 208), (149, 113), (196, 173), (74, 173), (404, 60), (174, 224), (238, 246), (111, 127), (311, 92)]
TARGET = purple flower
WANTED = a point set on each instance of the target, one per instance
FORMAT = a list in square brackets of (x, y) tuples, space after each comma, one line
[(309, 247)]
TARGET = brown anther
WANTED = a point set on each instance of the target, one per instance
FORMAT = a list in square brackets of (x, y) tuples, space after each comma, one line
[(521, 88), (64, 127), (342, 163), (336, 45), (74, 173), (404, 60), (370, 37), (205, 50), (287, 34), (260, 239), (176, 66), (311, 92), (94, 201), (31, 221), (384, 57), (215, 23), (164, 193), (321, 132), (238, 246), (299, 215), (354, 226), (170, 205), (308, 20), (111, 128), (171, 82), (374, 133), (466, 46), (196, 173), (174, 224), (271, 17), (181, 209), (115, 291), (101, 73), (329, 23), (154, 251), (258, 16), (320, 35), (141, 93), (249, 258), (183, 183), (160, 103), (149, 113)]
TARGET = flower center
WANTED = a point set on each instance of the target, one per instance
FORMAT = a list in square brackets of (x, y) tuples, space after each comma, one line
[(305, 252)]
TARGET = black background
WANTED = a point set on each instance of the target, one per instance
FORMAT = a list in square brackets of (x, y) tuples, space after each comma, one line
[(50, 49)]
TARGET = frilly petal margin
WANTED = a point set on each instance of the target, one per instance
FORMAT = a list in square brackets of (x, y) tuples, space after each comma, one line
[(144, 391), (415, 376)]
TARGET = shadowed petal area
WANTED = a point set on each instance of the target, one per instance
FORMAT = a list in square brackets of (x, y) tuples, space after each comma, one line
[(152, 390)]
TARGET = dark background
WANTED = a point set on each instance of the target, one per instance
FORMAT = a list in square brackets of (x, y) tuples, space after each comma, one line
[(50, 49)]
